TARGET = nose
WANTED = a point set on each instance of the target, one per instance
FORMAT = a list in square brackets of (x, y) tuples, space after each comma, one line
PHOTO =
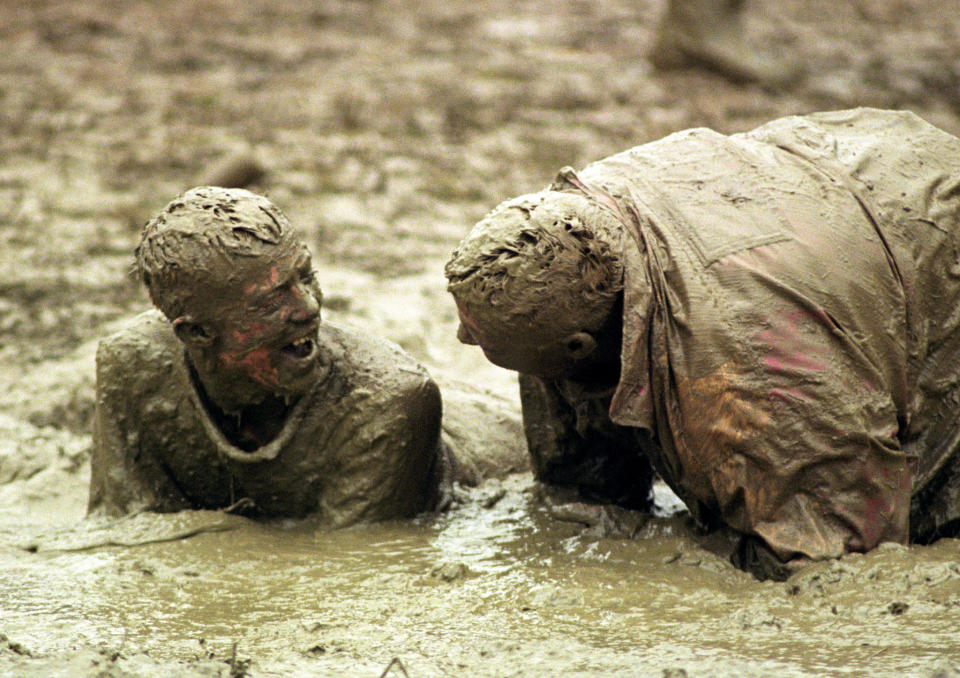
[(307, 308), (464, 336)]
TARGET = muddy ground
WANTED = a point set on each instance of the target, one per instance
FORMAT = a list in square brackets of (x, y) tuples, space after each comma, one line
[(386, 129)]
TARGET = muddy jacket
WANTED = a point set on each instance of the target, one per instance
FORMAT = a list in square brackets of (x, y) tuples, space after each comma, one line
[(791, 353), (364, 444)]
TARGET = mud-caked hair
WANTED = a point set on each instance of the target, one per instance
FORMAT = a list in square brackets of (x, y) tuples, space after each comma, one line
[(544, 259), (196, 237)]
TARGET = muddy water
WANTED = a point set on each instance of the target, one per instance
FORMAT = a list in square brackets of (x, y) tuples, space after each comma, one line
[(496, 587)]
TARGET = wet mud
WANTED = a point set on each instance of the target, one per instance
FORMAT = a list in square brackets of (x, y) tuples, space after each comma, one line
[(385, 131), (496, 587)]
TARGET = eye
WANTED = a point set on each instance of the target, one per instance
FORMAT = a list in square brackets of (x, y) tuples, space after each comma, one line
[(272, 303)]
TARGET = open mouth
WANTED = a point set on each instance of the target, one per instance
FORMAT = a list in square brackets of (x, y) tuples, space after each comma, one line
[(299, 349)]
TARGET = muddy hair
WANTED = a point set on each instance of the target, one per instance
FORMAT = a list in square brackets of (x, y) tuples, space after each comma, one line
[(543, 260), (199, 234)]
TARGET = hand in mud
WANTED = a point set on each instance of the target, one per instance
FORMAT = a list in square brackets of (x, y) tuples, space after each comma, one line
[(601, 520), (754, 556)]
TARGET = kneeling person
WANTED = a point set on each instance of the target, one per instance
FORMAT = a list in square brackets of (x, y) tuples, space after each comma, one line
[(236, 395), (767, 320)]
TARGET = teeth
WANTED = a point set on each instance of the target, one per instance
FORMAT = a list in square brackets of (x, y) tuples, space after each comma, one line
[(301, 341)]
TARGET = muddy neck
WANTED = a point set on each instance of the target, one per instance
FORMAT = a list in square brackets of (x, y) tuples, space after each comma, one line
[(251, 425)]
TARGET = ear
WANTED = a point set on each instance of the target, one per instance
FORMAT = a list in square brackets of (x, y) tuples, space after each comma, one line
[(579, 345), (192, 333)]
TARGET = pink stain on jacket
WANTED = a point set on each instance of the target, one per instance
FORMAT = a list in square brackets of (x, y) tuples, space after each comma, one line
[(790, 349)]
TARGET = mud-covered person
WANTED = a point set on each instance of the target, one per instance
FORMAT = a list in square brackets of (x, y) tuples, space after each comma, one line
[(235, 394), (768, 320)]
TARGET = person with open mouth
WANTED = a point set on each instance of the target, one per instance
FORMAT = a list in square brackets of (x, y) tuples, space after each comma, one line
[(234, 395)]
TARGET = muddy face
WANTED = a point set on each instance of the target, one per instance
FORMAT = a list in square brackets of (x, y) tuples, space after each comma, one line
[(260, 330), (529, 350)]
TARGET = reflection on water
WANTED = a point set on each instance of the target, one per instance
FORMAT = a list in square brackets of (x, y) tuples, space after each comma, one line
[(495, 581)]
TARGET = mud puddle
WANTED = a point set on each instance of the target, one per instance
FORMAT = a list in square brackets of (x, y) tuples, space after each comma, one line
[(494, 588)]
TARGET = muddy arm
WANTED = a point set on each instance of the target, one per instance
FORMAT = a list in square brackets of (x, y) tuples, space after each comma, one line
[(124, 478), (583, 450)]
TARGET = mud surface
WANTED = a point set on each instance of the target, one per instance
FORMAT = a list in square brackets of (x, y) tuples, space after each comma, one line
[(385, 130)]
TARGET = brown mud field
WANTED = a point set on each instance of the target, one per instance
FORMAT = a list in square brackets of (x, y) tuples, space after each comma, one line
[(385, 130)]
